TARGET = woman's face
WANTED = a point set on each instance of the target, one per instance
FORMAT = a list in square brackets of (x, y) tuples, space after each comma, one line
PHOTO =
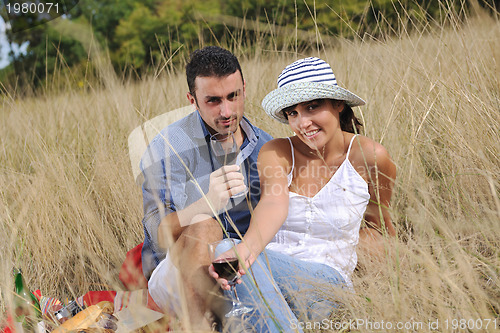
[(315, 122)]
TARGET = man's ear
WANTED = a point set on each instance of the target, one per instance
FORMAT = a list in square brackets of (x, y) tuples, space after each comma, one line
[(191, 99), (244, 90)]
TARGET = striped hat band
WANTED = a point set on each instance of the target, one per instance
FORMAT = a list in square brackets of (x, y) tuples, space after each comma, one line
[(307, 70), (306, 80)]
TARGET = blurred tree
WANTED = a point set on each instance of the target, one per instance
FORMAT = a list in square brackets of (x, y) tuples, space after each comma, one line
[(47, 49), (105, 15), (135, 37), (344, 17), (138, 33), (140, 37)]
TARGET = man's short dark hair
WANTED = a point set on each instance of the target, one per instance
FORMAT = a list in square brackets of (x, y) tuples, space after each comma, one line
[(210, 61)]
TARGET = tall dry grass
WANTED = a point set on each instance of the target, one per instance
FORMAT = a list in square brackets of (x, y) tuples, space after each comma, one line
[(69, 207)]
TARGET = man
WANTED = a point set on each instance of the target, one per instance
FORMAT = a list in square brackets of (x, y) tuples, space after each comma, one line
[(187, 197)]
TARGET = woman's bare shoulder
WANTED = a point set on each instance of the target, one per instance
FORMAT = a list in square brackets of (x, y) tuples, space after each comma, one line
[(366, 151), (277, 146), (278, 149), (277, 143)]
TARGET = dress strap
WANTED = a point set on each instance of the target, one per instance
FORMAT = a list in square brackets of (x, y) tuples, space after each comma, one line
[(290, 175), (293, 155), (350, 144)]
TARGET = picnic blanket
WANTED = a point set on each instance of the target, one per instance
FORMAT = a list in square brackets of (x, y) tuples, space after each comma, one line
[(136, 293), (121, 300), (131, 271)]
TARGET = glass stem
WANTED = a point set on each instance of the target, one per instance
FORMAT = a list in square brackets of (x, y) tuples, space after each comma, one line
[(236, 299)]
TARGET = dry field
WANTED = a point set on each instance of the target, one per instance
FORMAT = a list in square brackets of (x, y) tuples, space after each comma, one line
[(69, 207)]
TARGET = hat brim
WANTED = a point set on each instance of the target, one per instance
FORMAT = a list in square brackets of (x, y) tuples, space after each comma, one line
[(296, 93)]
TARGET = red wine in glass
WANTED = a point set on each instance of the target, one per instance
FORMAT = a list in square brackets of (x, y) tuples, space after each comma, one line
[(226, 267)]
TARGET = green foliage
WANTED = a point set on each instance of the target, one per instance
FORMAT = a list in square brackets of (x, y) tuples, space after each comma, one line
[(139, 33), (105, 15), (48, 52), (136, 36), (6, 75), (346, 18)]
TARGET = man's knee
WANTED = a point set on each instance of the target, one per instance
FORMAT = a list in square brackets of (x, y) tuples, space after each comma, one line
[(206, 229), (194, 239)]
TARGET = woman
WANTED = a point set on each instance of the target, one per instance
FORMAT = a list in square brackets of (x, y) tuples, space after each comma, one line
[(318, 185)]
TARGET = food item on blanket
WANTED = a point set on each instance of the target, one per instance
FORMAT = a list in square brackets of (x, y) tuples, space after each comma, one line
[(107, 321), (92, 330), (86, 318), (68, 311)]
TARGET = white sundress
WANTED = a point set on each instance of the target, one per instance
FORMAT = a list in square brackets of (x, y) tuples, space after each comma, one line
[(325, 228)]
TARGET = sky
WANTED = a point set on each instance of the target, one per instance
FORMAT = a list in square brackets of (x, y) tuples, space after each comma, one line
[(4, 46)]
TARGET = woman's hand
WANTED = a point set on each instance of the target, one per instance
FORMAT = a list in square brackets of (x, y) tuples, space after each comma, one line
[(223, 283), (243, 255)]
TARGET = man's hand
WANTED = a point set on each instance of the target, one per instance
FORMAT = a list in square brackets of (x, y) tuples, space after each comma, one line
[(224, 183)]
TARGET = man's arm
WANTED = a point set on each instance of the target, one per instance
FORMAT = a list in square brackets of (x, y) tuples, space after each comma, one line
[(164, 194)]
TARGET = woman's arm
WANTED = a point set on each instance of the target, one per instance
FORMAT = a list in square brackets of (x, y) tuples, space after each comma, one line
[(272, 209), (381, 175)]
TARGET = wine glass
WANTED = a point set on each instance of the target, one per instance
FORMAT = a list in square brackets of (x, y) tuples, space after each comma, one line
[(225, 150), (227, 268)]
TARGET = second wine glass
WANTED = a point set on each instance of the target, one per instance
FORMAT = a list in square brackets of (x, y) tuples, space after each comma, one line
[(226, 150)]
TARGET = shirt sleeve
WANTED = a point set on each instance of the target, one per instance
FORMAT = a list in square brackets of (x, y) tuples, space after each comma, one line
[(163, 189)]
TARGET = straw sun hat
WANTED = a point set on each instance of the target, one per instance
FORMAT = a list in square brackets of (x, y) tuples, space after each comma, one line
[(305, 80)]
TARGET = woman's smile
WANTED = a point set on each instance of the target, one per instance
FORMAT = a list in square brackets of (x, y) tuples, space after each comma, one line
[(311, 134)]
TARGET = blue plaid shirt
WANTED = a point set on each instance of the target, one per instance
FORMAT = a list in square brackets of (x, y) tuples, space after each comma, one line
[(177, 164)]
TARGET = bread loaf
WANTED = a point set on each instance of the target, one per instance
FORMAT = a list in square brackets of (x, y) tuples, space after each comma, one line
[(92, 330), (84, 319)]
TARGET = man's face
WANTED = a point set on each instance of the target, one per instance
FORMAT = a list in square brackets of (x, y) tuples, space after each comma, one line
[(220, 101)]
